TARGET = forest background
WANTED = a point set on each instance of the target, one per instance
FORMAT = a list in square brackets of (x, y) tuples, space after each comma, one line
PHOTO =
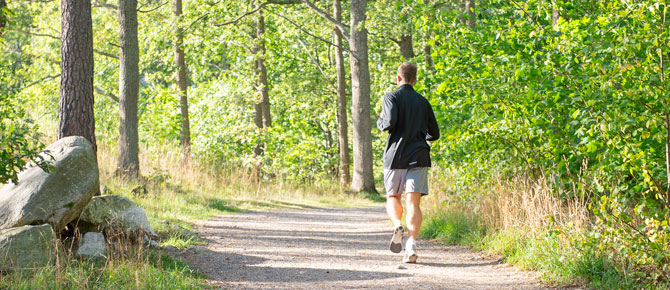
[(555, 147)]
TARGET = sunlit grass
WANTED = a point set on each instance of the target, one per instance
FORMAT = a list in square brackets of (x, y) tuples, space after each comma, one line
[(146, 269), (529, 227)]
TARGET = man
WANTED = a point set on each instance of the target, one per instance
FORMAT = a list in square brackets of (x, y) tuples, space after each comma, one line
[(410, 121)]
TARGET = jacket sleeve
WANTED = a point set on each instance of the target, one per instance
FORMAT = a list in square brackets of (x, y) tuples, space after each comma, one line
[(433, 128), (389, 116)]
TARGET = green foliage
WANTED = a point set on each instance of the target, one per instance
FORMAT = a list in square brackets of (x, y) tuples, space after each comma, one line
[(583, 101), (19, 141), (451, 227)]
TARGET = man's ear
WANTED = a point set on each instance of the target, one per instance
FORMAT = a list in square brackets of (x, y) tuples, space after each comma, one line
[(399, 78)]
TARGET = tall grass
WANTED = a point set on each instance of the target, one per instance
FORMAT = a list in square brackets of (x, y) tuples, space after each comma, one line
[(187, 192), (526, 222), (133, 268)]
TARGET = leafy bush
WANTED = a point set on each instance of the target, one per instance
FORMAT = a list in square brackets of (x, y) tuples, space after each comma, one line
[(19, 139)]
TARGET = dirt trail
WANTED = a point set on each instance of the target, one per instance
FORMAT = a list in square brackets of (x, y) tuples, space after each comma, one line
[(320, 248)]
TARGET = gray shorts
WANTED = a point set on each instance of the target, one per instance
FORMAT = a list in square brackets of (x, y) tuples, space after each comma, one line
[(398, 181)]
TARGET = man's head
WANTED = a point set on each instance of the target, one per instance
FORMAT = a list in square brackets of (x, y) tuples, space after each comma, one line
[(407, 74)]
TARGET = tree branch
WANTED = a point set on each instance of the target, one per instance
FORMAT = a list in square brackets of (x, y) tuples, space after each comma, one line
[(318, 65), (58, 38), (341, 26), (105, 5), (102, 92), (256, 10), (34, 33), (307, 32), (204, 16), (105, 54), (528, 15), (38, 81), (152, 9)]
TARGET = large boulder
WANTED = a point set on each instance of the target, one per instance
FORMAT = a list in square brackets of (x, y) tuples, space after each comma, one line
[(115, 216), (27, 247), (92, 247), (56, 197)]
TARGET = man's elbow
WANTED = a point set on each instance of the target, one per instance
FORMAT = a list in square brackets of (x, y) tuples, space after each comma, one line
[(381, 125), (433, 137)]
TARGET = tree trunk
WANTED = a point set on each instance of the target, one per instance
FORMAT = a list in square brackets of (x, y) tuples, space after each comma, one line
[(342, 128), (75, 107), (406, 47), (470, 9), (262, 73), (185, 133), (554, 16), (363, 179), (262, 118), (128, 165), (427, 48)]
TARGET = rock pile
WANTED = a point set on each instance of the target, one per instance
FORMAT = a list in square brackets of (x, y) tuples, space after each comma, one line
[(42, 204)]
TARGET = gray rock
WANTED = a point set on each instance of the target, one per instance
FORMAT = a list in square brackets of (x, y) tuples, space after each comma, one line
[(196, 249), (115, 215), (92, 247), (56, 197), (27, 247)]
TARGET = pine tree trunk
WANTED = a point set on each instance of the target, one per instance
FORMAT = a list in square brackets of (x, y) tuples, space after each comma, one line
[(185, 133), (75, 107), (363, 179), (128, 165), (342, 128)]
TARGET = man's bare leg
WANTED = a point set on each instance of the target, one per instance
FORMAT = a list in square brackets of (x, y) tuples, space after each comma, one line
[(414, 217), (394, 209)]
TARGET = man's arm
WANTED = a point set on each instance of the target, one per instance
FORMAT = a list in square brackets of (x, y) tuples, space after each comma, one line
[(433, 129), (389, 116)]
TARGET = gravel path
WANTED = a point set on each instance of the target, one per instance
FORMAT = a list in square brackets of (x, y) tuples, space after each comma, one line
[(323, 248)]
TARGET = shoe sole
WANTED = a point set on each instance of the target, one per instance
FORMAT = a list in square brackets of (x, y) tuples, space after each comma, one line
[(411, 259), (396, 241)]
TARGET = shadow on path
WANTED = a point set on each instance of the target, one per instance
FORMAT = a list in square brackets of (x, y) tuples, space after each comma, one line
[(321, 248)]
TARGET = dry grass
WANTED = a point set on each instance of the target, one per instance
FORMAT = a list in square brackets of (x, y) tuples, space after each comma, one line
[(169, 179), (518, 203)]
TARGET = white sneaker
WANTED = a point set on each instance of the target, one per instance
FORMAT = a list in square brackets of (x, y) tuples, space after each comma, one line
[(396, 240), (410, 252), (410, 257)]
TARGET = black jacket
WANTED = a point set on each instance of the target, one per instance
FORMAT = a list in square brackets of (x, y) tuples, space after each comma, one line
[(410, 120)]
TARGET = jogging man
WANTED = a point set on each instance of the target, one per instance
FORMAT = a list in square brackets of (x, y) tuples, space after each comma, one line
[(410, 121)]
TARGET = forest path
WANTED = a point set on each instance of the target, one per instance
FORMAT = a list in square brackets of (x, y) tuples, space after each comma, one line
[(324, 248)]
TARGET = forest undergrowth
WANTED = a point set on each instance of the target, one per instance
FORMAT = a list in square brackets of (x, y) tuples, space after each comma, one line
[(526, 223), (173, 195)]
